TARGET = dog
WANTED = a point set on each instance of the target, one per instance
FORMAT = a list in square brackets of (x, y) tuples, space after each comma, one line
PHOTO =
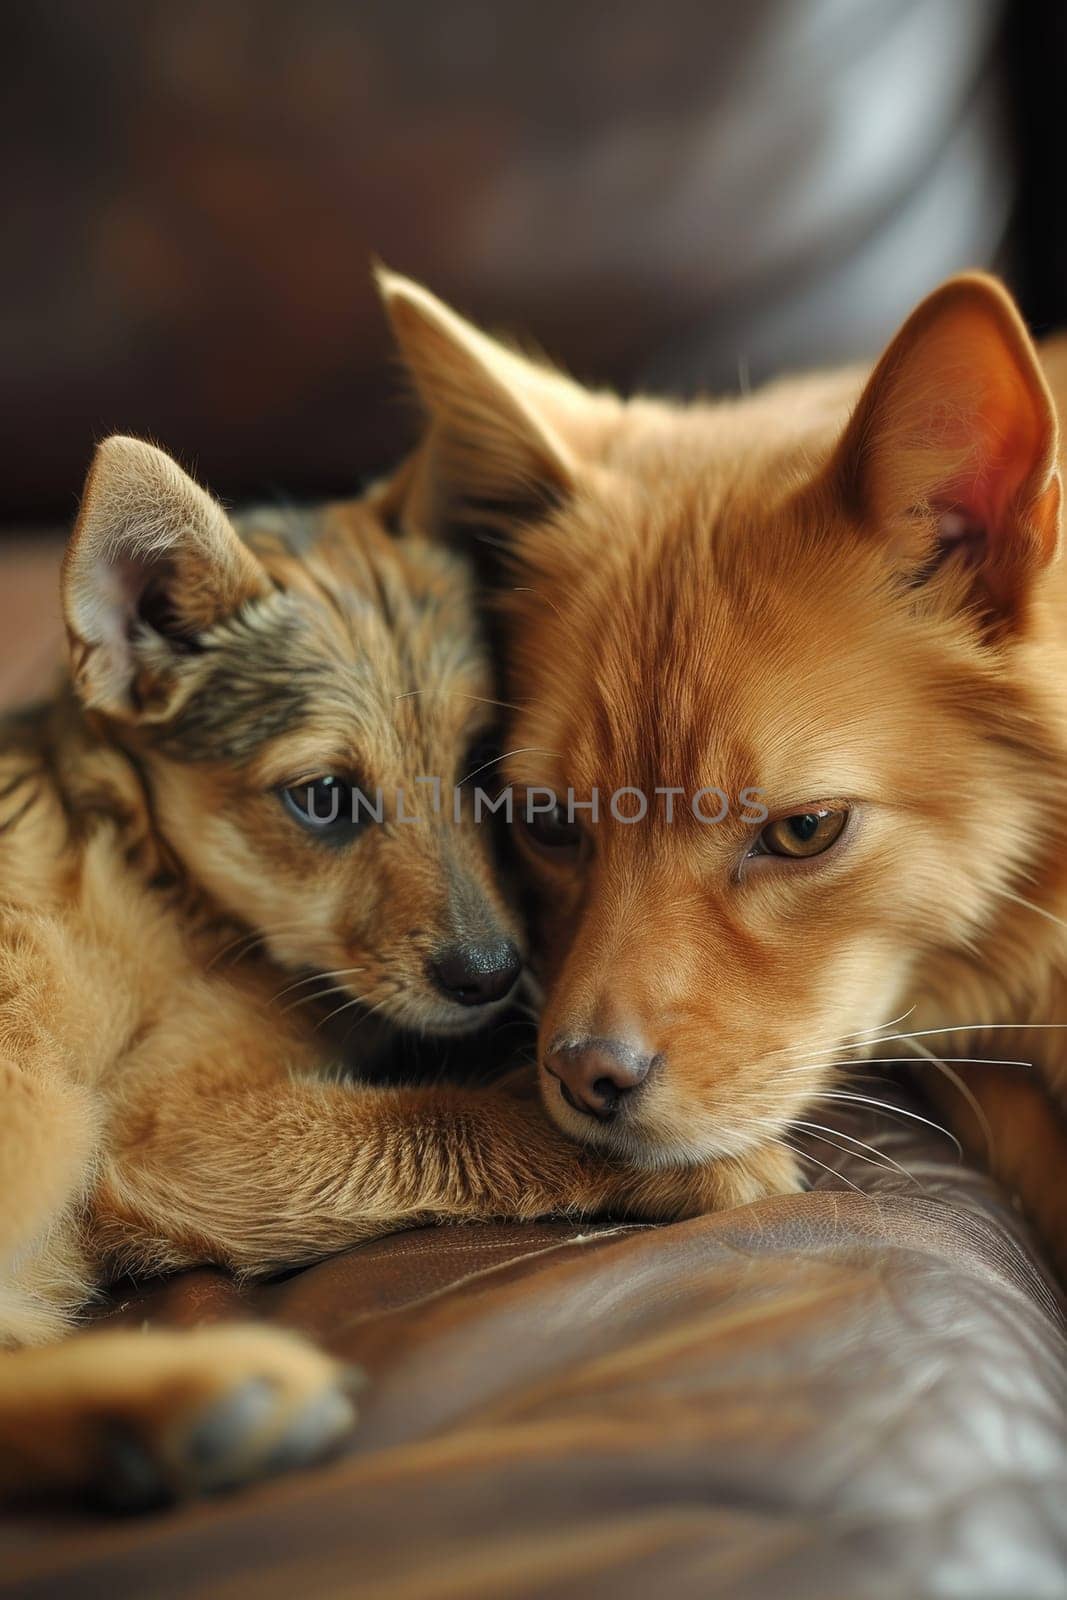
[(198, 868), (841, 593)]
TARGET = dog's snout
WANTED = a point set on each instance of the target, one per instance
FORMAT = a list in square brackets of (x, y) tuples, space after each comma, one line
[(475, 972), (595, 1074)]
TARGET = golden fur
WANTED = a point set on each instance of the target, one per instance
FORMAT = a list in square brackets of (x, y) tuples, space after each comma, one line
[(843, 589), (171, 939)]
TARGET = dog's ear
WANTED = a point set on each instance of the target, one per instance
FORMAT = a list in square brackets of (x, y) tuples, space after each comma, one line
[(506, 435), (952, 449), (152, 563)]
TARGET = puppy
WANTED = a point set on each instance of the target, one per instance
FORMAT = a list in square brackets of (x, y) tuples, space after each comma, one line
[(224, 828), (842, 595)]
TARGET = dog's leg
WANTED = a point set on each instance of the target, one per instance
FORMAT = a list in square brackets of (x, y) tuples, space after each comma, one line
[(48, 1133), (62, 1017), (133, 1418), (262, 1175)]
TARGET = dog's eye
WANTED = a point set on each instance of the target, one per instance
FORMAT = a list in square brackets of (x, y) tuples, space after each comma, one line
[(809, 833), (551, 832), (324, 806)]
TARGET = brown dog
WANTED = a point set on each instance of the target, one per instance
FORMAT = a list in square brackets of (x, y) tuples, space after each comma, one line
[(842, 595), (185, 876)]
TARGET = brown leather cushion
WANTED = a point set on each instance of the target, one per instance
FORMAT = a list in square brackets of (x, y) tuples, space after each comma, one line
[(842, 1394), (859, 1392)]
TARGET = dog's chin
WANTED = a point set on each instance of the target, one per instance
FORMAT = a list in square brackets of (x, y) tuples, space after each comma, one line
[(646, 1140), (465, 1022), (411, 1012), (414, 1012)]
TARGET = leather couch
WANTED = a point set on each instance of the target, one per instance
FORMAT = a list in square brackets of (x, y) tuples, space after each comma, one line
[(859, 1392)]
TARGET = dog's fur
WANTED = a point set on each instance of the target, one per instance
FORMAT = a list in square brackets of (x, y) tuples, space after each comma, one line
[(843, 590), (163, 1099)]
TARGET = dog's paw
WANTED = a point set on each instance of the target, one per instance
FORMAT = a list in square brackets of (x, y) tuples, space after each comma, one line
[(134, 1421), (228, 1406)]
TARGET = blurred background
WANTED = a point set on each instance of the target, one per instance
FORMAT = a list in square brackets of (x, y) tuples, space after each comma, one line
[(681, 194)]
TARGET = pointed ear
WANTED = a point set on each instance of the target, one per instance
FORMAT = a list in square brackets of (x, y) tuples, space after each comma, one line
[(152, 563), (953, 447), (506, 435)]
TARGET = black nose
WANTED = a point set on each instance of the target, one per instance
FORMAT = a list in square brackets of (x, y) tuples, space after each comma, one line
[(594, 1074), (476, 972)]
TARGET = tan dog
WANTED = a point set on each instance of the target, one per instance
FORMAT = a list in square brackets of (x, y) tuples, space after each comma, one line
[(178, 892), (843, 594)]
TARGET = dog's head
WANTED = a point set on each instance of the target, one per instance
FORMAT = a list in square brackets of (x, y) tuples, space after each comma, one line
[(300, 700), (808, 614)]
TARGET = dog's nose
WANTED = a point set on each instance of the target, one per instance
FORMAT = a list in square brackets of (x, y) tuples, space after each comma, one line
[(595, 1074), (476, 971)]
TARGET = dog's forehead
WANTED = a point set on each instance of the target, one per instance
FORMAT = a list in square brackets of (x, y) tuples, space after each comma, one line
[(725, 649), (346, 656)]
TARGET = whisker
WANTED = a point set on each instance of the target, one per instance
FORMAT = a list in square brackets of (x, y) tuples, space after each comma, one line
[(877, 1158), (1039, 911), (878, 1026), (971, 1099), (806, 1155), (459, 694), (368, 1014), (342, 972), (260, 936), (523, 750), (248, 947), (962, 1027), (355, 1000), (486, 700), (313, 996), (889, 1061), (891, 1110), (794, 1049), (971, 1061)]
